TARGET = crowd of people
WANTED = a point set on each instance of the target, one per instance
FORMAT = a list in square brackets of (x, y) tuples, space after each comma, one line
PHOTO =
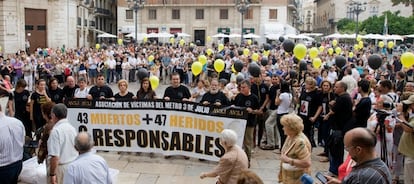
[(353, 108)]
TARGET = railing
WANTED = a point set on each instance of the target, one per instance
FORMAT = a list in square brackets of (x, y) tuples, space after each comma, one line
[(103, 11)]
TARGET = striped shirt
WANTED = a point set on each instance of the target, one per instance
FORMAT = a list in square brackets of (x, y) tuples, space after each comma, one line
[(11, 140), (373, 172)]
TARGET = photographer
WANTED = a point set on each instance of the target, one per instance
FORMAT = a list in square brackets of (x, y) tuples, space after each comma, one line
[(382, 124)]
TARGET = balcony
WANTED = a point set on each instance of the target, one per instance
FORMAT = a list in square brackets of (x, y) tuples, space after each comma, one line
[(292, 4), (92, 23), (103, 12)]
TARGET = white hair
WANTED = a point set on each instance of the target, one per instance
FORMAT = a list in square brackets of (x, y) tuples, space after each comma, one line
[(229, 137)]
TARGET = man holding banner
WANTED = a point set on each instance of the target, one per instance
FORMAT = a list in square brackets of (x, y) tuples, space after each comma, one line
[(177, 91), (246, 99)]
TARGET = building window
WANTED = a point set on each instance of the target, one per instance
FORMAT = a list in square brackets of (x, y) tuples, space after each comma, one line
[(248, 14), (41, 28), (199, 14), (152, 14), (129, 14), (175, 14), (273, 14), (28, 27), (374, 11), (224, 14)]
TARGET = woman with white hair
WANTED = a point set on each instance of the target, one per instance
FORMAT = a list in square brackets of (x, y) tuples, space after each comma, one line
[(231, 163), (384, 146)]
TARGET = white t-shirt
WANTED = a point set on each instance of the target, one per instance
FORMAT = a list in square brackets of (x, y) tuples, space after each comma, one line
[(81, 93), (285, 101)]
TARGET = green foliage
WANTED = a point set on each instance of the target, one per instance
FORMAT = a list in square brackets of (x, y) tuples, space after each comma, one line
[(396, 24), (348, 26)]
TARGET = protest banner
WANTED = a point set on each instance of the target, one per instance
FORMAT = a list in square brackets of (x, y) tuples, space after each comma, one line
[(167, 127)]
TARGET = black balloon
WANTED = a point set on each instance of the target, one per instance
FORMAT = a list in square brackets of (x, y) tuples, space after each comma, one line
[(303, 65), (142, 73), (267, 47), (240, 51), (281, 38), (238, 66), (218, 56), (374, 61), (264, 61), (254, 69), (288, 45), (239, 78), (340, 61)]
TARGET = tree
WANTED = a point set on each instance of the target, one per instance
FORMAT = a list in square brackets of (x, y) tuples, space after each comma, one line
[(405, 2), (396, 24), (345, 25)]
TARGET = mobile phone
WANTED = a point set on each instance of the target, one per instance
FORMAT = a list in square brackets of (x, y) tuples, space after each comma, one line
[(321, 178)]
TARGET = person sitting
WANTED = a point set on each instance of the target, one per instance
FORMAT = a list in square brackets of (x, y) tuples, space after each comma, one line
[(231, 163)]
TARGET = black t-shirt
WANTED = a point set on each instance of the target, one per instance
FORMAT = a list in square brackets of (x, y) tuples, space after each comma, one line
[(129, 95), (309, 103), (325, 99), (69, 92), (248, 101), (177, 93), (56, 95), (261, 91), (213, 98), (118, 66), (104, 91), (20, 100), (362, 112), (343, 113), (272, 96), (38, 100), (149, 95)]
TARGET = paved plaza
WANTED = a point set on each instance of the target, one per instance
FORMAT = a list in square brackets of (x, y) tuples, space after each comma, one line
[(148, 168)]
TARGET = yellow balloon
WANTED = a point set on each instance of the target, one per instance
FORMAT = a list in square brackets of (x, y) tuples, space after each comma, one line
[(266, 53), (120, 41), (356, 47), (249, 42), (360, 44), (381, 44), (246, 52), (351, 54), (97, 46), (172, 40), (154, 82), (182, 42), (208, 38), (209, 52), (390, 44), (313, 52), (359, 38), (151, 58), (321, 48), (407, 59), (219, 65), (202, 59), (317, 63), (192, 45), (338, 50), (220, 47), (335, 42), (299, 51), (330, 51), (145, 39), (196, 68), (255, 57), (233, 70)]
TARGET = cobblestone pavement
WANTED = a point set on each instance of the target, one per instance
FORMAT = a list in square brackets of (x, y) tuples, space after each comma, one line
[(155, 169)]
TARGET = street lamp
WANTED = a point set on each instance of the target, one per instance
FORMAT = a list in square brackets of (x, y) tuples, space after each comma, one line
[(242, 6), (136, 5), (357, 8)]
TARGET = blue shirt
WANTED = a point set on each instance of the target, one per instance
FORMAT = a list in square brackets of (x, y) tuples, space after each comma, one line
[(88, 168)]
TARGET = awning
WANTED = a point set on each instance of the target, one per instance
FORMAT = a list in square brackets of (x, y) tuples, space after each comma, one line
[(248, 30)]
